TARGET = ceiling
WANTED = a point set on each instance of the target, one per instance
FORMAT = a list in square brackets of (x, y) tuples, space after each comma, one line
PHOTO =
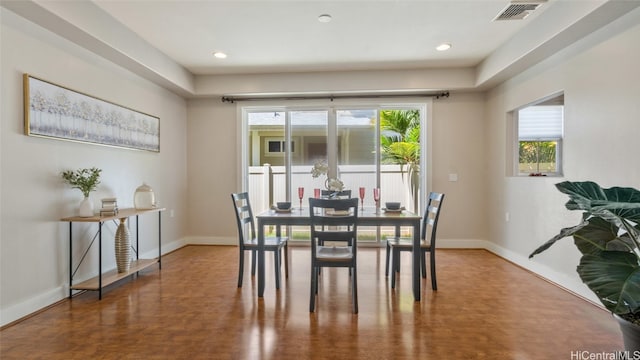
[(171, 42), (286, 36)]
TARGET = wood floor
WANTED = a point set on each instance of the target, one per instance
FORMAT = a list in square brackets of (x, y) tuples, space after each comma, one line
[(485, 308)]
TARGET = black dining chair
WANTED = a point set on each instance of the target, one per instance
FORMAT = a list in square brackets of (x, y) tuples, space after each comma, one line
[(429, 226), (248, 241), (333, 241)]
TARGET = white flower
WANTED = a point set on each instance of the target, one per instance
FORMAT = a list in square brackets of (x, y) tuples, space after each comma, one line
[(335, 184), (319, 168), (322, 168)]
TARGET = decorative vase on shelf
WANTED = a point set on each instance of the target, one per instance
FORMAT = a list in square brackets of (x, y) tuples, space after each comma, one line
[(144, 198), (86, 208), (123, 247)]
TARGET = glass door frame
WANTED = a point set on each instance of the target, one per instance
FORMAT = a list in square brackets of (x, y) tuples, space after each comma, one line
[(426, 119)]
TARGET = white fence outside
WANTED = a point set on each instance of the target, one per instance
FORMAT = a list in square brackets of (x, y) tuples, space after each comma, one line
[(267, 186)]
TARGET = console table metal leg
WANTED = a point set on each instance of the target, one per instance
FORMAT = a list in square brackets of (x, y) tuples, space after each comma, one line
[(100, 260), (160, 240), (137, 237), (70, 259)]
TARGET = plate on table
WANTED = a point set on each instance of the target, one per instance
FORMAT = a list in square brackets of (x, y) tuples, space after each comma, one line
[(333, 212), (282, 210), (393, 210)]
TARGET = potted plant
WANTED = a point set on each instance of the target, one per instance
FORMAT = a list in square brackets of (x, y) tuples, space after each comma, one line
[(608, 238), (86, 180)]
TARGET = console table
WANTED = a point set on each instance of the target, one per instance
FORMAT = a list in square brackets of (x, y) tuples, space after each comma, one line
[(107, 278)]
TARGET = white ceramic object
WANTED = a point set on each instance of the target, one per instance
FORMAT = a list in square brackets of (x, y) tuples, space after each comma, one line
[(86, 208), (144, 198)]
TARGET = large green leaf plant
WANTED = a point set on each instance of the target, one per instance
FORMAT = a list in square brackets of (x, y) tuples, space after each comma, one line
[(608, 238), (400, 142)]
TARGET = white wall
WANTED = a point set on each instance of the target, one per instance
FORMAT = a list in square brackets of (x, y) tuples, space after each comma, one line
[(33, 243), (601, 82), (458, 145), (213, 170)]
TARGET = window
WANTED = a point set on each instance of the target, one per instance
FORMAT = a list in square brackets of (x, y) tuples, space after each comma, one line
[(540, 132), (276, 146)]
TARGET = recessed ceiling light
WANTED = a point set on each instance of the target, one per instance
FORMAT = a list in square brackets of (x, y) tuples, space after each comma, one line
[(220, 55), (324, 18), (443, 47)]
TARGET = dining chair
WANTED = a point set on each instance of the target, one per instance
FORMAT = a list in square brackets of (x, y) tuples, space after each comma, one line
[(343, 194), (429, 226), (248, 241), (330, 194), (333, 241)]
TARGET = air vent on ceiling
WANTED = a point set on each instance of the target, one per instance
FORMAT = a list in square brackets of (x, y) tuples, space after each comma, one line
[(519, 9)]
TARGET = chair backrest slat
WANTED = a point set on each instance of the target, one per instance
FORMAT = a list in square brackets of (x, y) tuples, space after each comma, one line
[(431, 216), (333, 220), (244, 217)]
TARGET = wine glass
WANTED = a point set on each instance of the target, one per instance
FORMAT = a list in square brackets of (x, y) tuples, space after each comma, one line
[(376, 197), (300, 195), (316, 193), (362, 198)]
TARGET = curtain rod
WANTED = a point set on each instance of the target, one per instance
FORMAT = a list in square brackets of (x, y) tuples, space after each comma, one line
[(233, 99)]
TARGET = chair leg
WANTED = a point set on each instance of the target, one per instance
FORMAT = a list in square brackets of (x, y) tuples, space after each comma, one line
[(276, 265), (386, 264), (432, 260), (314, 289), (395, 256), (423, 263), (354, 290), (254, 254), (286, 260), (240, 268)]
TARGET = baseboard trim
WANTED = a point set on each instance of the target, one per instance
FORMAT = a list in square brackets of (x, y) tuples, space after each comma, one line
[(572, 284), (211, 240), (26, 307), (461, 244)]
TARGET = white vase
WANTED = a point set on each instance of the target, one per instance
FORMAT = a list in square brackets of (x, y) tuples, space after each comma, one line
[(86, 208)]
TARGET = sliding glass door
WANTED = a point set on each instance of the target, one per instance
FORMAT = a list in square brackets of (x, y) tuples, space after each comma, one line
[(364, 147), (310, 140)]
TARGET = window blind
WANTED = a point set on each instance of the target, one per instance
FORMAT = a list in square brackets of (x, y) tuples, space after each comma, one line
[(541, 122)]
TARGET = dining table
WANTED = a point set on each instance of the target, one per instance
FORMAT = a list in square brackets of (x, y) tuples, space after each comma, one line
[(369, 216)]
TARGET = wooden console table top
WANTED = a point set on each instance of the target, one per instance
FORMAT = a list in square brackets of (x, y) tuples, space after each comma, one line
[(122, 213)]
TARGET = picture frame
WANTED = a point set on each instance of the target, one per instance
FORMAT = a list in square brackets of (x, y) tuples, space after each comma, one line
[(57, 112)]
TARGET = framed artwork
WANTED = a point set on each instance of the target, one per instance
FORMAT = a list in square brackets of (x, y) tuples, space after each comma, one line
[(54, 111)]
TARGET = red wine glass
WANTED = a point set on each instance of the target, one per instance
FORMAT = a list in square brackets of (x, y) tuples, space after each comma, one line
[(362, 198), (376, 196), (300, 196)]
